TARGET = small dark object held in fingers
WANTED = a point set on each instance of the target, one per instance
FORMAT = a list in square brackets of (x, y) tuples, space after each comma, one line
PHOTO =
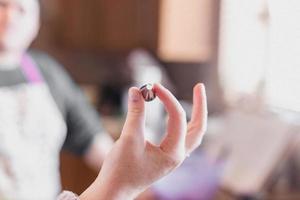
[(147, 92)]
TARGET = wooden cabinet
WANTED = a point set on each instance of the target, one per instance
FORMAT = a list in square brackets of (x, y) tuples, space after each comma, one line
[(183, 31), (107, 25)]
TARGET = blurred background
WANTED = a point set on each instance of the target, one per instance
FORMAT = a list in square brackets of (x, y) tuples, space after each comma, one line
[(246, 52)]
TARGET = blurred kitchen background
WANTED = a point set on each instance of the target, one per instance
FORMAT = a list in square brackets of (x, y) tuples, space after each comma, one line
[(247, 52)]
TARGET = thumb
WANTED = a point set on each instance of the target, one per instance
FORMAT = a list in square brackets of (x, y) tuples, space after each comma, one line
[(135, 121)]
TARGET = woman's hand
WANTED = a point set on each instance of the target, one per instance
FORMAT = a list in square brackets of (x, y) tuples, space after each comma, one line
[(134, 163)]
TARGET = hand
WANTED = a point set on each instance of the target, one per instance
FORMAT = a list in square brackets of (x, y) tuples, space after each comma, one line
[(134, 163)]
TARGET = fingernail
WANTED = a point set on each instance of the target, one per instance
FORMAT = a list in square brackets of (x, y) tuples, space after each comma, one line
[(134, 95), (202, 86)]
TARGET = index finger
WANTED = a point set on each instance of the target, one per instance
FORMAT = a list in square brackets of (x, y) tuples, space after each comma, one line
[(176, 127)]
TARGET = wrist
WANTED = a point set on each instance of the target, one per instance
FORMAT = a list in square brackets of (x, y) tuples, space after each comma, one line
[(108, 190)]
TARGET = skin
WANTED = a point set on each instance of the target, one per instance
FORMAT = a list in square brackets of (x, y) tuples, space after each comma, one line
[(134, 163), (19, 24)]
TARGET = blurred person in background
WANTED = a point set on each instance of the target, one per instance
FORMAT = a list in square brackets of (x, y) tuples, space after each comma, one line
[(41, 111)]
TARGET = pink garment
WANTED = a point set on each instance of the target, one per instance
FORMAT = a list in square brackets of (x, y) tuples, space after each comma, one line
[(30, 70), (66, 195)]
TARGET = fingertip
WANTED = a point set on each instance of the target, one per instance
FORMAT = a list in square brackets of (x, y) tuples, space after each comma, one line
[(134, 94), (196, 89), (199, 86), (161, 91), (202, 86), (199, 103), (199, 91), (156, 86)]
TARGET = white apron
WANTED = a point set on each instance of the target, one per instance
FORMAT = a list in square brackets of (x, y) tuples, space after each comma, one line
[(32, 131)]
